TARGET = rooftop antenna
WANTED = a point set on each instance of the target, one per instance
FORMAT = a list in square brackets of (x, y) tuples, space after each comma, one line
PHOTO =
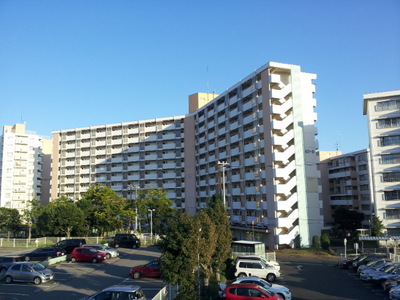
[(208, 86), (338, 143)]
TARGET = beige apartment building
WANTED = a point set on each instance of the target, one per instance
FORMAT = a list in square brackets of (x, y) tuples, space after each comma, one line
[(383, 113), (345, 181)]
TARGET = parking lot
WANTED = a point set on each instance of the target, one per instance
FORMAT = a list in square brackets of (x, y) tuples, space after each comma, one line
[(77, 280)]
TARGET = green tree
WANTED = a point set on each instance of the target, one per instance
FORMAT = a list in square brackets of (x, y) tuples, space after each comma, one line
[(9, 220), (223, 250), (109, 212), (179, 258), (346, 219), (45, 219), (155, 199), (30, 214), (67, 216), (376, 226)]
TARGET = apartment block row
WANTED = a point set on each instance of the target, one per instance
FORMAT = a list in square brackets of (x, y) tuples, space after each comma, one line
[(255, 144)]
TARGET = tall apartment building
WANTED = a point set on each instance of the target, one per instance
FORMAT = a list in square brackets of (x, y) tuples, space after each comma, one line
[(25, 159), (383, 112), (257, 140), (258, 136), (124, 156), (345, 181)]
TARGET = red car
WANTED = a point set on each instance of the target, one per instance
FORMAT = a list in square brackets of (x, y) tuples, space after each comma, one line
[(248, 291), (152, 269), (87, 254)]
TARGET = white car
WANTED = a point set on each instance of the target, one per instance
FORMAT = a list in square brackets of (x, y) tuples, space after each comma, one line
[(270, 263), (108, 251), (281, 290), (251, 267)]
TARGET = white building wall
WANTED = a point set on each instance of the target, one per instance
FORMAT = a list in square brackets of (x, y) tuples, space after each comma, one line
[(124, 156), (383, 111), (21, 160)]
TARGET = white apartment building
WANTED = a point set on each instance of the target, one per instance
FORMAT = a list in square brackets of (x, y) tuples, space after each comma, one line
[(124, 156), (261, 131), (383, 112), (24, 172), (258, 136)]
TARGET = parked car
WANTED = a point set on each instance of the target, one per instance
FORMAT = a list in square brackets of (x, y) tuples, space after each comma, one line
[(70, 244), (366, 274), (28, 272), (346, 263), (43, 253), (394, 293), (391, 283), (248, 291), (270, 263), (119, 292), (152, 269), (6, 261), (108, 251), (280, 290), (367, 259), (87, 254), (378, 278), (248, 267), (373, 264), (125, 240)]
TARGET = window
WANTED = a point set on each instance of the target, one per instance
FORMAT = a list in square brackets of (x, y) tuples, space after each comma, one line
[(390, 159), (391, 195), (391, 177), (387, 105), (389, 140), (388, 123), (392, 214)]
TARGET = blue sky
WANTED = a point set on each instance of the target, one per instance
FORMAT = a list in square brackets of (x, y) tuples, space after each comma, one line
[(78, 63)]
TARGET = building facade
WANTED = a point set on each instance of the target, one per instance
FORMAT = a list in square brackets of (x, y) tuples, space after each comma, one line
[(254, 144), (124, 156), (383, 113), (25, 159), (345, 181), (257, 143)]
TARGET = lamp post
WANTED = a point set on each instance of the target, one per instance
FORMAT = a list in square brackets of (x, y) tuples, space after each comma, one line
[(151, 222), (224, 165)]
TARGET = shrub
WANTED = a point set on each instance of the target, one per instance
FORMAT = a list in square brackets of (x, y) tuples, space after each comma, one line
[(325, 241), (316, 242)]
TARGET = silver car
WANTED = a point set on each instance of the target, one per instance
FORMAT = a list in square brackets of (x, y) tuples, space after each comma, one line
[(128, 292), (108, 251), (28, 272)]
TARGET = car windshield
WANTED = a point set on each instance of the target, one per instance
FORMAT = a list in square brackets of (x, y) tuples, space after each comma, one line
[(265, 283), (266, 291), (38, 267)]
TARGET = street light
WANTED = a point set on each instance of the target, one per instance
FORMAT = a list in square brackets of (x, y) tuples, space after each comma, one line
[(151, 222), (224, 165)]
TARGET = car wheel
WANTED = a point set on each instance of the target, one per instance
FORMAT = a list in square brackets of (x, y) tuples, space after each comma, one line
[(282, 296), (242, 275), (49, 257), (271, 277), (136, 275), (108, 255), (73, 259), (37, 280), (134, 246), (116, 246), (94, 260), (8, 279), (27, 258)]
